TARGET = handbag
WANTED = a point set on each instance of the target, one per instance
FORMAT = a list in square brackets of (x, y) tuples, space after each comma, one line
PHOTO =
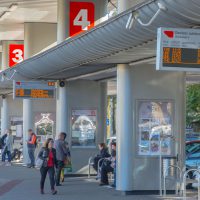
[(67, 164), (39, 163)]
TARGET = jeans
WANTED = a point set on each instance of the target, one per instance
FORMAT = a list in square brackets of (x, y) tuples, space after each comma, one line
[(105, 169), (8, 153), (31, 152), (51, 172), (58, 171)]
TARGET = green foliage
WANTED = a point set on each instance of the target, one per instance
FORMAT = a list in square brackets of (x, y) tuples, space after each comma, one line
[(193, 104)]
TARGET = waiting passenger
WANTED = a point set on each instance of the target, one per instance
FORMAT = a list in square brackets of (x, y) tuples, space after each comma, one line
[(48, 155), (8, 147), (102, 154), (31, 145), (67, 160), (109, 165), (62, 152)]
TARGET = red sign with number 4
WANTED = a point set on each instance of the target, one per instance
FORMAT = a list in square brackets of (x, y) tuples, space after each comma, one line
[(16, 54), (82, 17)]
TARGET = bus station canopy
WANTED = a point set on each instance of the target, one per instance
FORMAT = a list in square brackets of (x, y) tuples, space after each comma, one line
[(98, 50)]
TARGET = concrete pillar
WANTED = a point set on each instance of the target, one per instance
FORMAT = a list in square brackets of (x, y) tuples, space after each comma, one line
[(4, 115), (103, 111), (124, 129), (63, 21), (37, 36), (27, 124), (123, 5), (62, 109), (124, 121)]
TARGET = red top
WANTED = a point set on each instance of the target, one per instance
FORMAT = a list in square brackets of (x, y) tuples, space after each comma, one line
[(50, 161)]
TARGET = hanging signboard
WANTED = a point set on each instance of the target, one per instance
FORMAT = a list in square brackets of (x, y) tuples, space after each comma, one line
[(34, 90), (16, 54), (178, 49), (82, 17)]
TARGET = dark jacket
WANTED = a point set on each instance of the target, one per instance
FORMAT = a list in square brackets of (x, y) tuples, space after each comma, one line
[(44, 154), (61, 150), (104, 153)]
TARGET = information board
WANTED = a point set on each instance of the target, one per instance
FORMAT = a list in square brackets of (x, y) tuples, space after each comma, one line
[(178, 49), (34, 90)]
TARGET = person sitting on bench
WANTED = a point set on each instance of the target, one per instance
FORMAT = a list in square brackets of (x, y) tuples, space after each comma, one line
[(108, 166), (102, 154)]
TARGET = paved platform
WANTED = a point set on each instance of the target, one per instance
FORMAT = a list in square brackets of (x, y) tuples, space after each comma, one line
[(20, 183)]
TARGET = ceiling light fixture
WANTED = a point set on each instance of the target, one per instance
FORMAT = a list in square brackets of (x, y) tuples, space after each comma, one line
[(13, 7), (134, 16), (4, 15)]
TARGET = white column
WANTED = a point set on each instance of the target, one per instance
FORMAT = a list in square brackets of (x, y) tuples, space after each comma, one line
[(62, 110), (62, 34), (124, 121), (27, 124), (103, 112), (63, 21), (124, 129), (4, 116), (27, 103), (123, 5)]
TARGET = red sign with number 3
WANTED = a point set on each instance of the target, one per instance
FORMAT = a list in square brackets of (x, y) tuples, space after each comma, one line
[(82, 17), (16, 54)]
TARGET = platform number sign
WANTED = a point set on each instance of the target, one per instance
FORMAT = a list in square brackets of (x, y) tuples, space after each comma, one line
[(82, 17), (16, 54)]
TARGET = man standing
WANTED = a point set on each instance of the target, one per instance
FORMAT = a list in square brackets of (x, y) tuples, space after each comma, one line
[(31, 144), (8, 148), (61, 153)]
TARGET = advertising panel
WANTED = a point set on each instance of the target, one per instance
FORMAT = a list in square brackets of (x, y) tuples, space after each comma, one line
[(154, 123), (84, 126)]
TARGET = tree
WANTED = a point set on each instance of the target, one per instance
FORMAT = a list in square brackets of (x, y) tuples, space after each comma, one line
[(193, 105)]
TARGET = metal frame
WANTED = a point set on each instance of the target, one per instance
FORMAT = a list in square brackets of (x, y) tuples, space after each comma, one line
[(165, 177), (185, 181)]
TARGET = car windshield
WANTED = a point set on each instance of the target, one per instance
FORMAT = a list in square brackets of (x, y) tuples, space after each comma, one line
[(193, 147)]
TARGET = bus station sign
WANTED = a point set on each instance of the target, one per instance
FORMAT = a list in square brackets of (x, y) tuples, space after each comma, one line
[(34, 90), (16, 54), (178, 49)]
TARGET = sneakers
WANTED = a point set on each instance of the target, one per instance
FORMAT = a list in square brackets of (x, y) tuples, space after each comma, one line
[(54, 192), (103, 184), (41, 191), (8, 164)]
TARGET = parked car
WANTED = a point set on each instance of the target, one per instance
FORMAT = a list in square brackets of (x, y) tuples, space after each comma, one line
[(193, 159)]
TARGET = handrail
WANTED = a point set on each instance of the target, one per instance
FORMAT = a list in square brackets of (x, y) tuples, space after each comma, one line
[(165, 173), (185, 182), (89, 165)]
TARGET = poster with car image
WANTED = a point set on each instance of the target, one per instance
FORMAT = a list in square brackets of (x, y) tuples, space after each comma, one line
[(154, 122), (84, 126)]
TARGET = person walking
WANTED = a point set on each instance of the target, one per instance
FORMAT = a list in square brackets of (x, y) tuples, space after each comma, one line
[(67, 161), (8, 147), (61, 153), (48, 156), (31, 144)]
